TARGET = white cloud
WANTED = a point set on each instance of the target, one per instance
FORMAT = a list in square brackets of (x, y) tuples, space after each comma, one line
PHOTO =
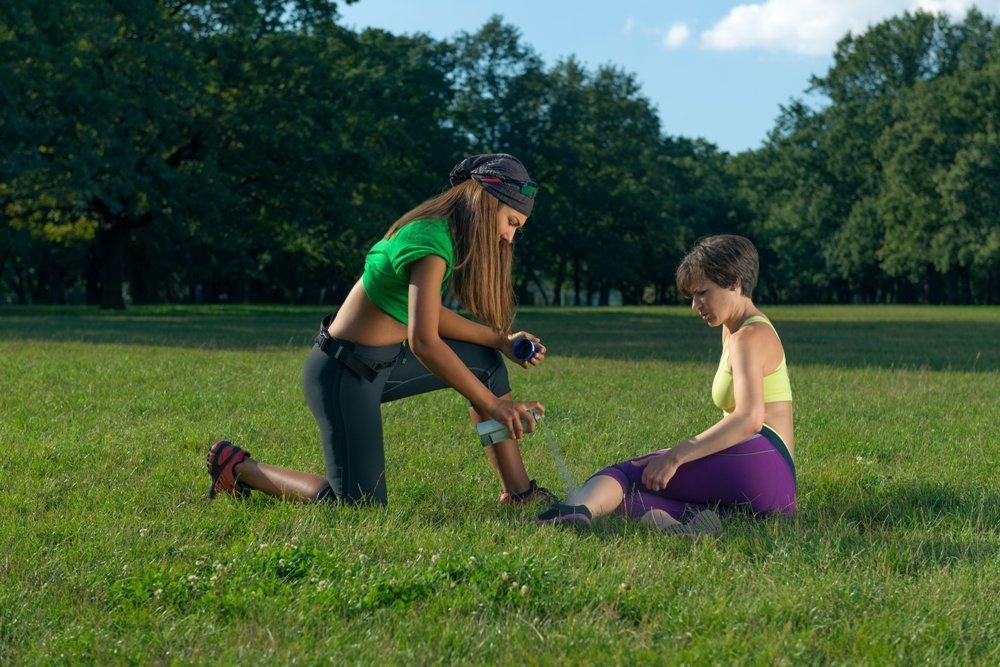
[(676, 36), (952, 7), (813, 27), (629, 25)]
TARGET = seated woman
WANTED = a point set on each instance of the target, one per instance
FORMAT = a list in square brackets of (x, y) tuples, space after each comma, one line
[(744, 461)]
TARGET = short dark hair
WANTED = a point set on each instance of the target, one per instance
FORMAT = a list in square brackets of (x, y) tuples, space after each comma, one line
[(723, 259)]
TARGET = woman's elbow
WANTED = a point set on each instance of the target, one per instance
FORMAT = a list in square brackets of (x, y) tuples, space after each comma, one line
[(422, 344), (752, 420)]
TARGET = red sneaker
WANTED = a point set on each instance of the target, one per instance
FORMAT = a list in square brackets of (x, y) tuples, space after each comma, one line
[(222, 458)]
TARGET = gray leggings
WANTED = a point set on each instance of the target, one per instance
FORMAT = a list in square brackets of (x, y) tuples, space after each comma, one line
[(348, 408)]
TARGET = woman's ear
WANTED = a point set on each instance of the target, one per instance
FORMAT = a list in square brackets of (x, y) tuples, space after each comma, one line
[(737, 287)]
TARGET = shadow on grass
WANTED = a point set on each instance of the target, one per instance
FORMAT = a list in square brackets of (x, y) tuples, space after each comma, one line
[(907, 528), (879, 503), (208, 327), (932, 338), (904, 528)]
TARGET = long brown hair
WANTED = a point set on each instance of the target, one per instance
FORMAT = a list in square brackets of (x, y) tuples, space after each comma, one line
[(481, 275)]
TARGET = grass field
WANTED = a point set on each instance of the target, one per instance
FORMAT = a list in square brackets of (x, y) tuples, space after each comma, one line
[(112, 554)]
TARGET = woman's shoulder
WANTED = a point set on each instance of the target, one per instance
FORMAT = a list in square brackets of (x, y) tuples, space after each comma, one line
[(418, 239), (424, 226), (756, 334), (433, 233)]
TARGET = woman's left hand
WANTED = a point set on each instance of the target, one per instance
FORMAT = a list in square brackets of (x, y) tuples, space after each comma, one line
[(659, 470), (508, 349)]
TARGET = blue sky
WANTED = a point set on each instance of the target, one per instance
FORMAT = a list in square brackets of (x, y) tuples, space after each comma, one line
[(714, 69)]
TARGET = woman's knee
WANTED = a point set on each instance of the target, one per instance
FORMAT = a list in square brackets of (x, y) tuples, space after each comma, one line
[(325, 494), (626, 473), (485, 363)]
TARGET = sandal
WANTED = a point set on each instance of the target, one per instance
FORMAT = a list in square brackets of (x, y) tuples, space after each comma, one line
[(222, 459)]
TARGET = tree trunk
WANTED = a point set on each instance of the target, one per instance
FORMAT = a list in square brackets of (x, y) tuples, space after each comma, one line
[(92, 276), (55, 280), (111, 251), (576, 281), (541, 288), (557, 283)]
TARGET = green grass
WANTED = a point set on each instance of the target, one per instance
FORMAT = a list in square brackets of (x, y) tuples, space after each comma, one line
[(111, 553)]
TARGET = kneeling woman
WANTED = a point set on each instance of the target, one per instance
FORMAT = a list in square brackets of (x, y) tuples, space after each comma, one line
[(742, 462), (393, 338)]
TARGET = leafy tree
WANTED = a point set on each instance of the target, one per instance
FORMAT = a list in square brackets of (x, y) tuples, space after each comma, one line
[(499, 89), (708, 201), (115, 106), (103, 95), (330, 138), (850, 199), (605, 185)]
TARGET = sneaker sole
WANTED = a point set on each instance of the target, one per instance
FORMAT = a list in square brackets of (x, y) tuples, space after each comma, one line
[(576, 519), (705, 522)]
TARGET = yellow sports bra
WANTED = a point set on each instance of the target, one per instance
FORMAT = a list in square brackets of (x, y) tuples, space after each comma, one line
[(776, 385)]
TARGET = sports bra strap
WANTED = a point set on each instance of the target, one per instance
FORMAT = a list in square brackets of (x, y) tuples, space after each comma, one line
[(753, 319)]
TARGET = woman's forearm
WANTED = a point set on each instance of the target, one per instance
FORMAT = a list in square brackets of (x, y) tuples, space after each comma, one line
[(454, 326), (723, 434)]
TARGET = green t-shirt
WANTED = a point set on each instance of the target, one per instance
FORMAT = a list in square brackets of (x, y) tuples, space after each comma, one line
[(387, 276)]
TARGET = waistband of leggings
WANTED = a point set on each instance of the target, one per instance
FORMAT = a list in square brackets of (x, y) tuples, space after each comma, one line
[(352, 355), (772, 436), (376, 353), (380, 352)]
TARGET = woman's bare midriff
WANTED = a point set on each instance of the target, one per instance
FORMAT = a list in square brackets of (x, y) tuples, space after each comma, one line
[(779, 417), (361, 321)]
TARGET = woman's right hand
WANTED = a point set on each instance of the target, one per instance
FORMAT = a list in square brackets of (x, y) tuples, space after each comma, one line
[(512, 413)]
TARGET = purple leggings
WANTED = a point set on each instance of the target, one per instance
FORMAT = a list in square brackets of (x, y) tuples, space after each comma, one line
[(756, 475)]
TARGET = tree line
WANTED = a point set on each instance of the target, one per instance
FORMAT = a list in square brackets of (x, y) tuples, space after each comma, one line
[(252, 150)]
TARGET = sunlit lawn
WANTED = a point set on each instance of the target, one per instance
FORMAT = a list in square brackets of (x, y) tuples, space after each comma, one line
[(112, 554)]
